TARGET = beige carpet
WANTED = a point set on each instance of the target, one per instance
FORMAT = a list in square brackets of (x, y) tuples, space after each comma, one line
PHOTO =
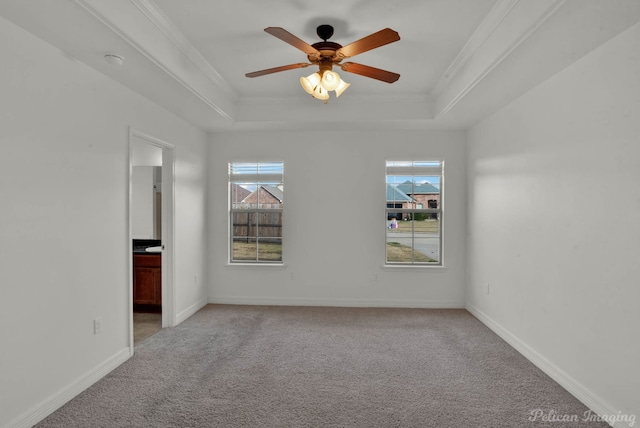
[(257, 366)]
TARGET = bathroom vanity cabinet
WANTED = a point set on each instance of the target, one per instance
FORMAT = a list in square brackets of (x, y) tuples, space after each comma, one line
[(147, 280)]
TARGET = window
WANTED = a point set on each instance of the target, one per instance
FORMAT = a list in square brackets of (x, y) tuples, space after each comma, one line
[(256, 192), (413, 219)]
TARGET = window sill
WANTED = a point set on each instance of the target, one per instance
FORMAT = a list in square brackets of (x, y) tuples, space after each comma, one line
[(255, 265), (440, 268)]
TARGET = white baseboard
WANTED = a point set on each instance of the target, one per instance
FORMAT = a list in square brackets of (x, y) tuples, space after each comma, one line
[(59, 399), (578, 390), (340, 302), (191, 310)]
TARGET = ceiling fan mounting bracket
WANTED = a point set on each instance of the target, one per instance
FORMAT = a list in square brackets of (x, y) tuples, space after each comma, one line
[(324, 31)]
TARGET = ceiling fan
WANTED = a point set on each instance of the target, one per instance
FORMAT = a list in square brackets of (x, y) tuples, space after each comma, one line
[(326, 54)]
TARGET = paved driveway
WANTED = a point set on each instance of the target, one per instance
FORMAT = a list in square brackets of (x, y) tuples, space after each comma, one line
[(426, 243)]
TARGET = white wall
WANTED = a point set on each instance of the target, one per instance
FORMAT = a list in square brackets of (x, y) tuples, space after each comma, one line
[(334, 228), (64, 222), (554, 211)]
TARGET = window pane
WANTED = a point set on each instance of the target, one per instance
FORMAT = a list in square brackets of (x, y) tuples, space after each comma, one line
[(239, 192), (237, 168), (253, 168), (427, 164), (270, 225), (257, 195), (244, 225), (430, 182), (426, 248), (270, 168), (244, 249), (413, 239), (270, 250), (398, 247)]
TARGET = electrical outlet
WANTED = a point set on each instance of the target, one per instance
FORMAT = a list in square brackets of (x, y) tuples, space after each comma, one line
[(97, 325), (488, 289), (375, 276), (291, 276)]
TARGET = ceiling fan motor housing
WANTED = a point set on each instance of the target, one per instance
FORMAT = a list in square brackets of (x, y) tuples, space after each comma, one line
[(327, 52)]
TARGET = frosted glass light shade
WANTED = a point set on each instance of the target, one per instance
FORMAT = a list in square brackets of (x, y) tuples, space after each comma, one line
[(330, 80), (342, 87), (320, 93), (310, 82)]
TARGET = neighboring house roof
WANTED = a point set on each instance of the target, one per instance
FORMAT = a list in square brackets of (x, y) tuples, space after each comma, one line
[(394, 194), (272, 190), (238, 192), (418, 188), (275, 192)]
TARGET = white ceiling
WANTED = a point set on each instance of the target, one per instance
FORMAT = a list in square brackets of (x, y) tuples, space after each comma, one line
[(432, 33), (459, 60)]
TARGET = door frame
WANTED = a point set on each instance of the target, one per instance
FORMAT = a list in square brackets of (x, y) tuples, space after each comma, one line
[(168, 226)]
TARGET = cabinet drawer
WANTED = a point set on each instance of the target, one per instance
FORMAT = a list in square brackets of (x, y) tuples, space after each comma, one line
[(144, 260)]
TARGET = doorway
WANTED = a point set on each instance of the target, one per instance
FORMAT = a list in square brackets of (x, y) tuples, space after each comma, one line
[(151, 211)]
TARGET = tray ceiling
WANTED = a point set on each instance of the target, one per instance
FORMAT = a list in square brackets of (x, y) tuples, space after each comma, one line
[(459, 60)]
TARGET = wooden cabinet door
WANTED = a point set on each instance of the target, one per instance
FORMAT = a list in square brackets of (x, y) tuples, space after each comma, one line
[(147, 279), (157, 286), (147, 286)]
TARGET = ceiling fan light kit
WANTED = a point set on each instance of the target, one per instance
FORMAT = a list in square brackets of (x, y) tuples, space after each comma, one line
[(320, 93), (310, 82), (330, 80), (319, 86), (326, 54), (342, 87)]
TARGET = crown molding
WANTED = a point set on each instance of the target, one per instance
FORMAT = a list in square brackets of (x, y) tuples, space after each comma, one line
[(493, 19), (205, 84), (507, 26), (177, 37)]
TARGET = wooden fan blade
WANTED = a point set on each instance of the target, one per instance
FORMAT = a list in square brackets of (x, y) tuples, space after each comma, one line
[(278, 69), (372, 72), (372, 41), (294, 41)]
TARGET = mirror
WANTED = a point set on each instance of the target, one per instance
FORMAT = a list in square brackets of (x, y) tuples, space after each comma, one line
[(146, 190), (146, 202)]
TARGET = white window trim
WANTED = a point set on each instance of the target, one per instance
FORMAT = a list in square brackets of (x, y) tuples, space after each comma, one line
[(411, 170), (258, 179)]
